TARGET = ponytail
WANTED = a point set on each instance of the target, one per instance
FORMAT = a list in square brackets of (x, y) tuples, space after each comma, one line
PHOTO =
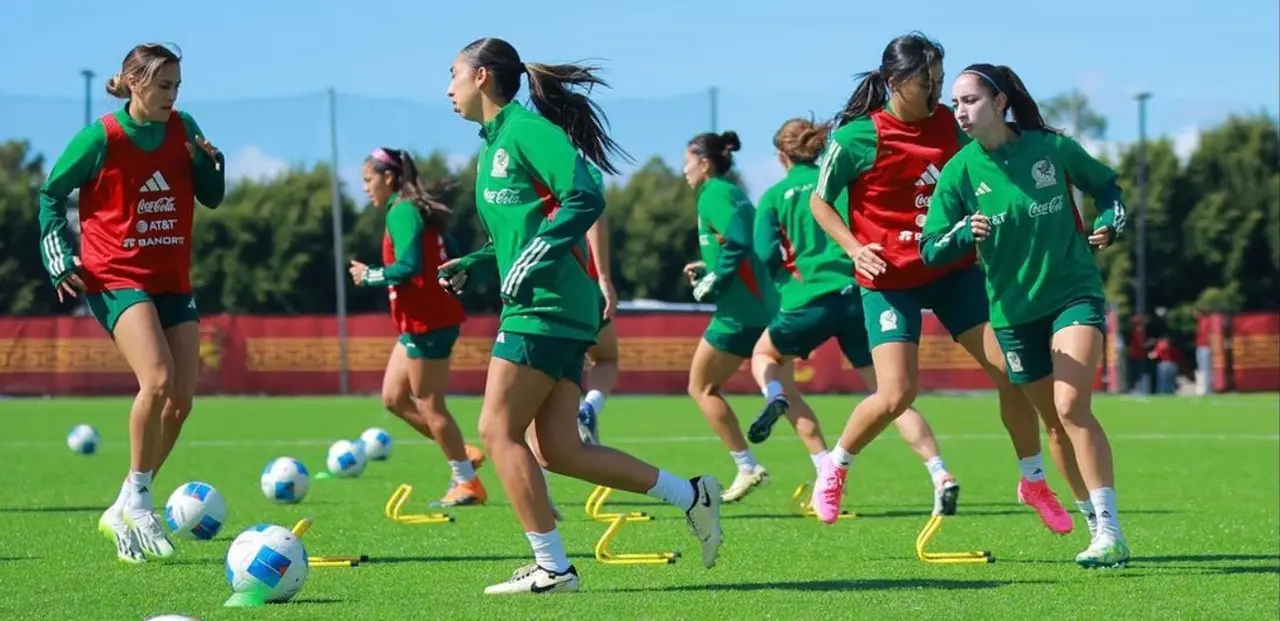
[(872, 93), (717, 149), (550, 90), (1021, 106), (424, 196)]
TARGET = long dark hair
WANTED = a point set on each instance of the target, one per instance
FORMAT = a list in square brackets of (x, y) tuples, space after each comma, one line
[(1000, 79), (717, 148), (404, 179), (551, 89), (904, 58)]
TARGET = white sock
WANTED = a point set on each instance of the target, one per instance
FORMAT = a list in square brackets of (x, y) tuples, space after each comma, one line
[(937, 470), (673, 490), (772, 390), (1086, 507), (463, 471), (817, 459), (745, 460), (595, 399), (548, 551), (122, 500), (1032, 468), (139, 499), (1104, 499), (840, 457)]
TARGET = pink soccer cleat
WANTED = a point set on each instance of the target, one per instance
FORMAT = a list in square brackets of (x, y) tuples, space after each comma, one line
[(828, 491), (1038, 496)]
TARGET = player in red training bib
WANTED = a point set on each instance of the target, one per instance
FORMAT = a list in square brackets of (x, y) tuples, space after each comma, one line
[(140, 171), (891, 142), (427, 316)]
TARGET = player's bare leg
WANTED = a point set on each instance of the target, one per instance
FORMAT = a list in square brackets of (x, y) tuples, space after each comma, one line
[(600, 378), (708, 372), (428, 380), (184, 344)]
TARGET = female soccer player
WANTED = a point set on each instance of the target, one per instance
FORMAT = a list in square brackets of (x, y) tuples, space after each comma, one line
[(537, 200), (819, 301), (1008, 194), (140, 171), (730, 275), (892, 140), (602, 375), (428, 317)]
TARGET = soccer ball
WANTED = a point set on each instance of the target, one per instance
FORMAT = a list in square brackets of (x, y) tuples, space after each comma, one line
[(83, 439), (377, 443), (267, 561), (285, 480), (195, 510), (346, 459)]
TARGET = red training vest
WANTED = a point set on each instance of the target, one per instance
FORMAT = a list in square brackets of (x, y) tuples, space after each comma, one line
[(421, 305)]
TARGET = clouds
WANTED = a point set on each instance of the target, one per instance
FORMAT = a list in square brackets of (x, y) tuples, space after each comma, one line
[(252, 163)]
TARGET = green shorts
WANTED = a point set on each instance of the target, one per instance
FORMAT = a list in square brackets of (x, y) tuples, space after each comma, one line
[(959, 300), (172, 308), (732, 340), (836, 315), (433, 345), (1028, 348), (560, 358)]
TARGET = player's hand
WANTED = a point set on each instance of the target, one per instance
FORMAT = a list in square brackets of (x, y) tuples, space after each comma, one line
[(610, 298), (692, 270), (208, 148), (72, 284), (702, 290), (1101, 238), (451, 276), (868, 262), (980, 225), (358, 271)]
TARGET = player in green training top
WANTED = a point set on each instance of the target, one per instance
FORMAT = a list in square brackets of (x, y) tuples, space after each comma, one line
[(819, 301), (731, 276), (1008, 194), (536, 200)]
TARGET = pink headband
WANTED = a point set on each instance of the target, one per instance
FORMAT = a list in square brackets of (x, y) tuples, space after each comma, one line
[(381, 155)]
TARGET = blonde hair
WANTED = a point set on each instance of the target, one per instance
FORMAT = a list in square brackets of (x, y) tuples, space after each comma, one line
[(801, 140), (142, 63)]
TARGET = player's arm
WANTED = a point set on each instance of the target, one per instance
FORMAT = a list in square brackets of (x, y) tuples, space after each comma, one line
[(734, 229), (547, 154), (598, 238), (947, 235), (77, 165), (852, 151), (766, 233), (405, 227), (1099, 181), (208, 174), (479, 266)]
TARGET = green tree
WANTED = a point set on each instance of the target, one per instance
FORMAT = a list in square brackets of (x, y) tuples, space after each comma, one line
[(655, 220), (24, 287), (1071, 112)]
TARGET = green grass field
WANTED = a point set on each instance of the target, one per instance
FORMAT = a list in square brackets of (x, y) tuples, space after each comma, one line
[(1199, 483)]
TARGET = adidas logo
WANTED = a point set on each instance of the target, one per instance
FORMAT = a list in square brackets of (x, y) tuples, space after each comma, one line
[(929, 176), (982, 188), (155, 184)]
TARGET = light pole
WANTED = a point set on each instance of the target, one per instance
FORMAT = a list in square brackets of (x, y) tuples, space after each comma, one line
[(88, 95)]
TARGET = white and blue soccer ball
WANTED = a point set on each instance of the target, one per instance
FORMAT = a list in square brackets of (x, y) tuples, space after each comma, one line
[(267, 561), (83, 439), (195, 510), (285, 481), (346, 459), (377, 443)]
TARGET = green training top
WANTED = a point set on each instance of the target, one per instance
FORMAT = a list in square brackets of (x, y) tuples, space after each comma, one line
[(738, 283), (1037, 258), (537, 198), (83, 158), (806, 263)]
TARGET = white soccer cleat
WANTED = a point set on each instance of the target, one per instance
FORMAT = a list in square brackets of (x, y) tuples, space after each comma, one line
[(151, 536), (112, 525), (745, 483), (535, 580), (704, 518)]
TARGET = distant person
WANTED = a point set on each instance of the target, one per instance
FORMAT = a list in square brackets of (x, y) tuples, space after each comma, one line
[(890, 144), (1168, 362), (820, 301), (601, 375), (1007, 194), (428, 318), (140, 171), (530, 165)]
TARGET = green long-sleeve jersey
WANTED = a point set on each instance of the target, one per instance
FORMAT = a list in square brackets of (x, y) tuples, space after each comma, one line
[(743, 289), (83, 158), (804, 261), (536, 197), (1037, 258)]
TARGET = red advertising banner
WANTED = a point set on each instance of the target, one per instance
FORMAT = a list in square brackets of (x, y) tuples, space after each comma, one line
[(297, 355), (1255, 352)]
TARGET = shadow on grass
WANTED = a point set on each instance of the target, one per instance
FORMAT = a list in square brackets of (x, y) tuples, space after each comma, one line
[(874, 584)]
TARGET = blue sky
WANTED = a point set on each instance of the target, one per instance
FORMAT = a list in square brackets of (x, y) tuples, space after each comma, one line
[(255, 73)]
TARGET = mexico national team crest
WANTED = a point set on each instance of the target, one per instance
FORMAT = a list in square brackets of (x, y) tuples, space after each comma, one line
[(500, 163), (1044, 174)]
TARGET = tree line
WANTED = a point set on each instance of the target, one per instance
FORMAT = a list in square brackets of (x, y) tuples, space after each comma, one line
[(1213, 230)]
